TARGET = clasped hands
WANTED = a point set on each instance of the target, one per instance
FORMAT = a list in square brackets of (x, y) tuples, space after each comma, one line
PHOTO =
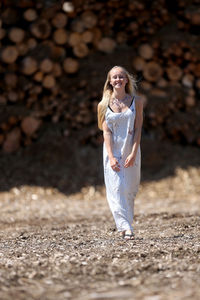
[(128, 162)]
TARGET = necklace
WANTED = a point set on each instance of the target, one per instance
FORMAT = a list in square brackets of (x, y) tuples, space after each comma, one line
[(120, 103)]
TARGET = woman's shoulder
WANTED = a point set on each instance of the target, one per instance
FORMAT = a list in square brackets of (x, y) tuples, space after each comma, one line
[(100, 104)]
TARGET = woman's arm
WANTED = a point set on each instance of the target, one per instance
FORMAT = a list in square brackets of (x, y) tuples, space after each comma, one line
[(137, 126), (137, 133), (107, 135)]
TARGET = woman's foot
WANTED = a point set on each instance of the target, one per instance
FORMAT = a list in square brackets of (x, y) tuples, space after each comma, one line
[(128, 235), (122, 233)]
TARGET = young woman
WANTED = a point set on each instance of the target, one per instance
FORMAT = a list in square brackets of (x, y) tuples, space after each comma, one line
[(120, 116)]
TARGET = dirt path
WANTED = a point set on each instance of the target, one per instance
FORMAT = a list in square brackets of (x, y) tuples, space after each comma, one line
[(65, 247)]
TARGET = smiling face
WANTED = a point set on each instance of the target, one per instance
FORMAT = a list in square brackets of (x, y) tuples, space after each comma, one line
[(118, 78)]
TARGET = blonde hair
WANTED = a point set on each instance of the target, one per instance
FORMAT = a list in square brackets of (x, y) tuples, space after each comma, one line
[(107, 93)]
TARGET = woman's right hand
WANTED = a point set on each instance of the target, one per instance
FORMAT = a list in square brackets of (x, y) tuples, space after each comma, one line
[(114, 164)]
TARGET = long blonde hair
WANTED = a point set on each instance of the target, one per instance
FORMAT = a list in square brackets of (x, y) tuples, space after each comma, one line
[(107, 93)]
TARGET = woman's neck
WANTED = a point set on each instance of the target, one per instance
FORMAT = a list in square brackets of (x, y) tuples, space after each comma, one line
[(120, 95)]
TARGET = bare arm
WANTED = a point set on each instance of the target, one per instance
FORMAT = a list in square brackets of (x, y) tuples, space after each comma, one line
[(107, 135), (137, 133), (137, 126)]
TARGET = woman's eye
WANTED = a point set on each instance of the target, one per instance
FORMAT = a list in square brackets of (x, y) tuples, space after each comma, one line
[(120, 77)]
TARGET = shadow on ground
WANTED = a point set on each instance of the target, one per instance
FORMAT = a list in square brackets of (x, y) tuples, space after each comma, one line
[(65, 164)]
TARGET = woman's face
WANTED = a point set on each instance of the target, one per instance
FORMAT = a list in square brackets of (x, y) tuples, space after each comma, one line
[(118, 78)]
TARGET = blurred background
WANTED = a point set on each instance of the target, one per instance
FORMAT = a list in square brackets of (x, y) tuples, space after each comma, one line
[(54, 58), (57, 234)]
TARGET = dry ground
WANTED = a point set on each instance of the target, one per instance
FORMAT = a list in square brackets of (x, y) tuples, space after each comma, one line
[(60, 246)]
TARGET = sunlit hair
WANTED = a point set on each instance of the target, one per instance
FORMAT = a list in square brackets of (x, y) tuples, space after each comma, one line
[(108, 90)]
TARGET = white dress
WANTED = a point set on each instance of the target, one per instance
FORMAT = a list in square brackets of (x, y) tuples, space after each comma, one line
[(122, 186)]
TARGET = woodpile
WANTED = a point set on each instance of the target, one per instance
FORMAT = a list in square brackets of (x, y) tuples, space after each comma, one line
[(43, 49)]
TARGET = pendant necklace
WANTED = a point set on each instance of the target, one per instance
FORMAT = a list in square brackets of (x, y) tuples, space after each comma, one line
[(120, 103)]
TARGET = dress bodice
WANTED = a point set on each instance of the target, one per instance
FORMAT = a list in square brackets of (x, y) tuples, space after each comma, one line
[(122, 127)]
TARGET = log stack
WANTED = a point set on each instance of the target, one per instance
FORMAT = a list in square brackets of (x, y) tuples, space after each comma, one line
[(47, 45)]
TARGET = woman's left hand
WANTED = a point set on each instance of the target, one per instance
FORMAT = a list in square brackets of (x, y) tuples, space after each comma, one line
[(129, 161)]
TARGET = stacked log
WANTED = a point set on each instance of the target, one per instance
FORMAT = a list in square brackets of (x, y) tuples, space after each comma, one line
[(44, 48)]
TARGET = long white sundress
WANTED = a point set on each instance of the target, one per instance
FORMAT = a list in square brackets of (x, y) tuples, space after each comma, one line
[(122, 186)]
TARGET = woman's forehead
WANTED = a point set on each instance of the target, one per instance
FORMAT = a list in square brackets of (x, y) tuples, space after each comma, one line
[(116, 71)]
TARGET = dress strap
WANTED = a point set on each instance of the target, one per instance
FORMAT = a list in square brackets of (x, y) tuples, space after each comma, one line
[(132, 101), (110, 108)]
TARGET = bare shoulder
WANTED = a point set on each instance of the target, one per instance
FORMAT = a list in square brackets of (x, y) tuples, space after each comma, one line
[(99, 103), (105, 127), (99, 106)]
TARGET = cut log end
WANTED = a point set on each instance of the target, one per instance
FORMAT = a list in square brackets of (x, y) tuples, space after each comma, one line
[(16, 35), (49, 82), (12, 141), (29, 65), (70, 65), (107, 45), (146, 51), (152, 71), (60, 36), (9, 54), (30, 125)]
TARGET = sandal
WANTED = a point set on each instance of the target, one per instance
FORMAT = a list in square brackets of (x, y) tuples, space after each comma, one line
[(129, 236)]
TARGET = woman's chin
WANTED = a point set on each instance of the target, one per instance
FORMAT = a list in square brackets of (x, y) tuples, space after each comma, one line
[(118, 86)]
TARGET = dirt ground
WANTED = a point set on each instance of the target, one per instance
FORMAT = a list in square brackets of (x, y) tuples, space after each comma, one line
[(59, 245)]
